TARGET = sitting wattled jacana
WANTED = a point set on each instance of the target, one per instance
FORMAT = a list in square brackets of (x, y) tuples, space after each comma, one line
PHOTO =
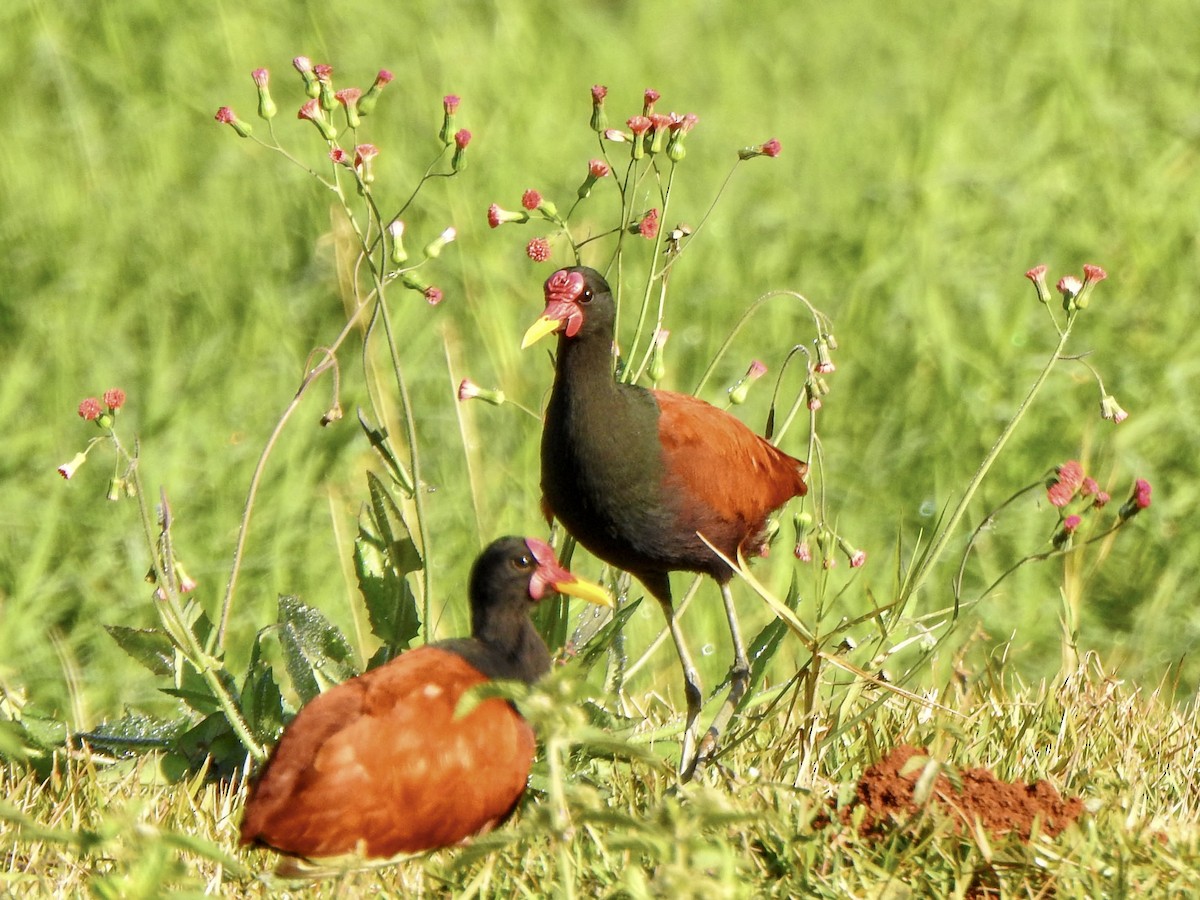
[(381, 766), (636, 475)]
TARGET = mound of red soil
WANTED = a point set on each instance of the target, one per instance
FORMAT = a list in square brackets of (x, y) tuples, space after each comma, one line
[(885, 791)]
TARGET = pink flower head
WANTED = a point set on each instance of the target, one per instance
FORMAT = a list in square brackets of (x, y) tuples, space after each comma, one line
[(467, 390), (648, 227), (114, 399), (1111, 410), (497, 216), (1068, 479), (639, 125), (433, 296), (261, 77), (531, 199), (1089, 487), (227, 116), (1071, 472), (649, 98), (302, 64), (1093, 274), (616, 135), (660, 122), (341, 157), (858, 559), (1141, 493), (1070, 523), (450, 103), (68, 469), (90, 409), (685, 123), (771, 148), (538, 249), (310, 110), (1068, 286), (598, 168), (462, 137), (348, 96), (364, 153), (803, 552), (1101, 500), (1038, 276), (324, 73), (599, 92), (756, 371), (384, 77)]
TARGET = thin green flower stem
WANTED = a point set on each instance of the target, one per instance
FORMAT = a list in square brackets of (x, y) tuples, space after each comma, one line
[(410, 427), (175, 622), (631, 372), (261, 465), (942, 538), (741, 322)]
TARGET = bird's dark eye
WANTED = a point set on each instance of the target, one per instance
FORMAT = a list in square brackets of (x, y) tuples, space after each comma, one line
[(586, 296), (523, 563)]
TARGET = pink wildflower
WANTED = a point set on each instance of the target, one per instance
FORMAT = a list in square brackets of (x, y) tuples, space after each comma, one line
[(639, 125), (462, 137), (598, 168), (1093, 274), (649, 98), (450, 103), (648, 226), (261, 77), (364, 153), (114, 399), (497, 216), (90, 409), (1038, 276), (599, 92), (433, 295), (538, 249), (772, 148), (341, 157), (803, 552), (858, 559), (531, 199), (1089, 487), (302, 64), (68, 469), (1068, 286), (384, 77), (348, 96)]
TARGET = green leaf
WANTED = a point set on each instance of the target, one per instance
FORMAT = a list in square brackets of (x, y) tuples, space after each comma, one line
[(312, 647), (149, 646), (134, 731), (261, 701), (384, 555), (379, 440), (589, 653)]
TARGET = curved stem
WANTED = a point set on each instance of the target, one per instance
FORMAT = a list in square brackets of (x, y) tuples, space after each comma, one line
[(942, 538)]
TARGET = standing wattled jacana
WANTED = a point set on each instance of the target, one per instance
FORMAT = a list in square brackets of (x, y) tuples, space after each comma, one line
[(381, 766), (637, 475)]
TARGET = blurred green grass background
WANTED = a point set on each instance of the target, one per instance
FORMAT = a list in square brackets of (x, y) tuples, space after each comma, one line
[(930, 157)]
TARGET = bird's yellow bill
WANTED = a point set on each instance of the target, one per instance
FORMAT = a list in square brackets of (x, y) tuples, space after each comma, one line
[(539, 329), (584, 590)]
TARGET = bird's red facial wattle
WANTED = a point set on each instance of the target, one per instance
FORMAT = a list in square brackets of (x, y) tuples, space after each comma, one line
[(563, 290), (551, 575)]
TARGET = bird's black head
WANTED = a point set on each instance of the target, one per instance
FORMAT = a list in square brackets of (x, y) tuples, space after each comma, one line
[(579, 303), (513, 573)]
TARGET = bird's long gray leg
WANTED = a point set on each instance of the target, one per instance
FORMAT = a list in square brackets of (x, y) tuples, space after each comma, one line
[(691, 690), (739, 678)]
